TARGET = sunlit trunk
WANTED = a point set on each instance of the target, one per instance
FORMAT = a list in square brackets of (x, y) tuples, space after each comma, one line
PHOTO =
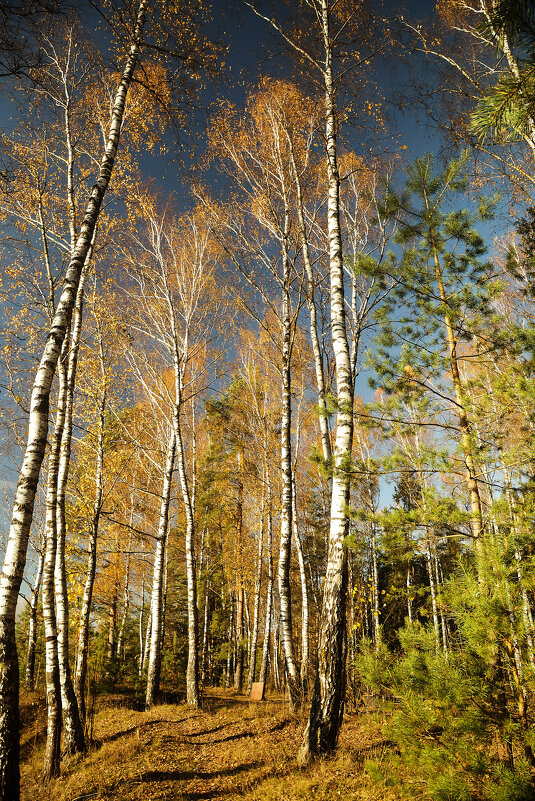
[(240, 600), (327, 707), (74, 739), (294, 680), (256, 601), (32, 630), (154, 657), (375, 590), (15, 556), (304, 597), (323, 419), (192, 671), (269, 589), (51, 766), (140, 627)]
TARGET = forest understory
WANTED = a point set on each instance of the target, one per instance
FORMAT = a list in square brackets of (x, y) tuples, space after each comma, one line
[(232, 748)]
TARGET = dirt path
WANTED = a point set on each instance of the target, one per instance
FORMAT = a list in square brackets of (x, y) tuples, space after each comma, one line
[(224, 752), (233, 749)]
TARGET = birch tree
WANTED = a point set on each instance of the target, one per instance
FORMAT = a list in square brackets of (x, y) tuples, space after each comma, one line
[(181, 317), (327, 59), (255, 152), (15, 556)]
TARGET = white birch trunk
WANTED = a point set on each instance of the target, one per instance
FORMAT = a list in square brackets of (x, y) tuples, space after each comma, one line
[(154, 658), (73, 728), (269, 589), (15, 556), (206, 621), (313, 322), (304, 597), (375, 591), (32, 632), (432, 590), (228, 670), (140, 626), (164, 599), (256, 602), (51, 766), (146, 642), (192, 670), (327, 708), (439, 578), (126, 597), (294, 682), (409, 595), (239, 628)]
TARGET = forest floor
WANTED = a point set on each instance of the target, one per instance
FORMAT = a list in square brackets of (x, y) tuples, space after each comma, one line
[(234, 748)]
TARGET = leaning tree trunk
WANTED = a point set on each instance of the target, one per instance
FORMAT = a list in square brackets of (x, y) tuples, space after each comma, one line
[(74, 740), (327, 707), (15, 556), (32, 632), (52, 666), (154, 658)]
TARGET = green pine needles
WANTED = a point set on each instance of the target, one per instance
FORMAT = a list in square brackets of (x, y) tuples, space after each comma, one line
[(507, 109)]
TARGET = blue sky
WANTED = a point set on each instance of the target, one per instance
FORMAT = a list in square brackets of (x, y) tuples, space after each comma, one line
[(249, 55)]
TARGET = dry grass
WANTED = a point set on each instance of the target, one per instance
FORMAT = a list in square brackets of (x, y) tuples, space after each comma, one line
[(232, 749)]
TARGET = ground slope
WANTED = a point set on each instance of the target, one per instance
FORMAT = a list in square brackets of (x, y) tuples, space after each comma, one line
[(232, 749)]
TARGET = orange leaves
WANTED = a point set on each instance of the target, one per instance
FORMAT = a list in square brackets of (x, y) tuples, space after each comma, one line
[(453, 12)]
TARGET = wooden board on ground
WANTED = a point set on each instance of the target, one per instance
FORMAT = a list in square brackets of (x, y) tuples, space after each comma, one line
[(257, 691)]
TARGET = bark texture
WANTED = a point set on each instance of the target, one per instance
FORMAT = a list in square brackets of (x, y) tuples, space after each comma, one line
[(155, 655), (32, 632), (15, 556), (327, 707)]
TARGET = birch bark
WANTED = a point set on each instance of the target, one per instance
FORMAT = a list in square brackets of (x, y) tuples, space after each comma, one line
[(72, 725), (192, 670), (32, 633), (15, 556), (154, 658), (313, 322), (327, 707), (269, 589), (286, 501), (256, 602)]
